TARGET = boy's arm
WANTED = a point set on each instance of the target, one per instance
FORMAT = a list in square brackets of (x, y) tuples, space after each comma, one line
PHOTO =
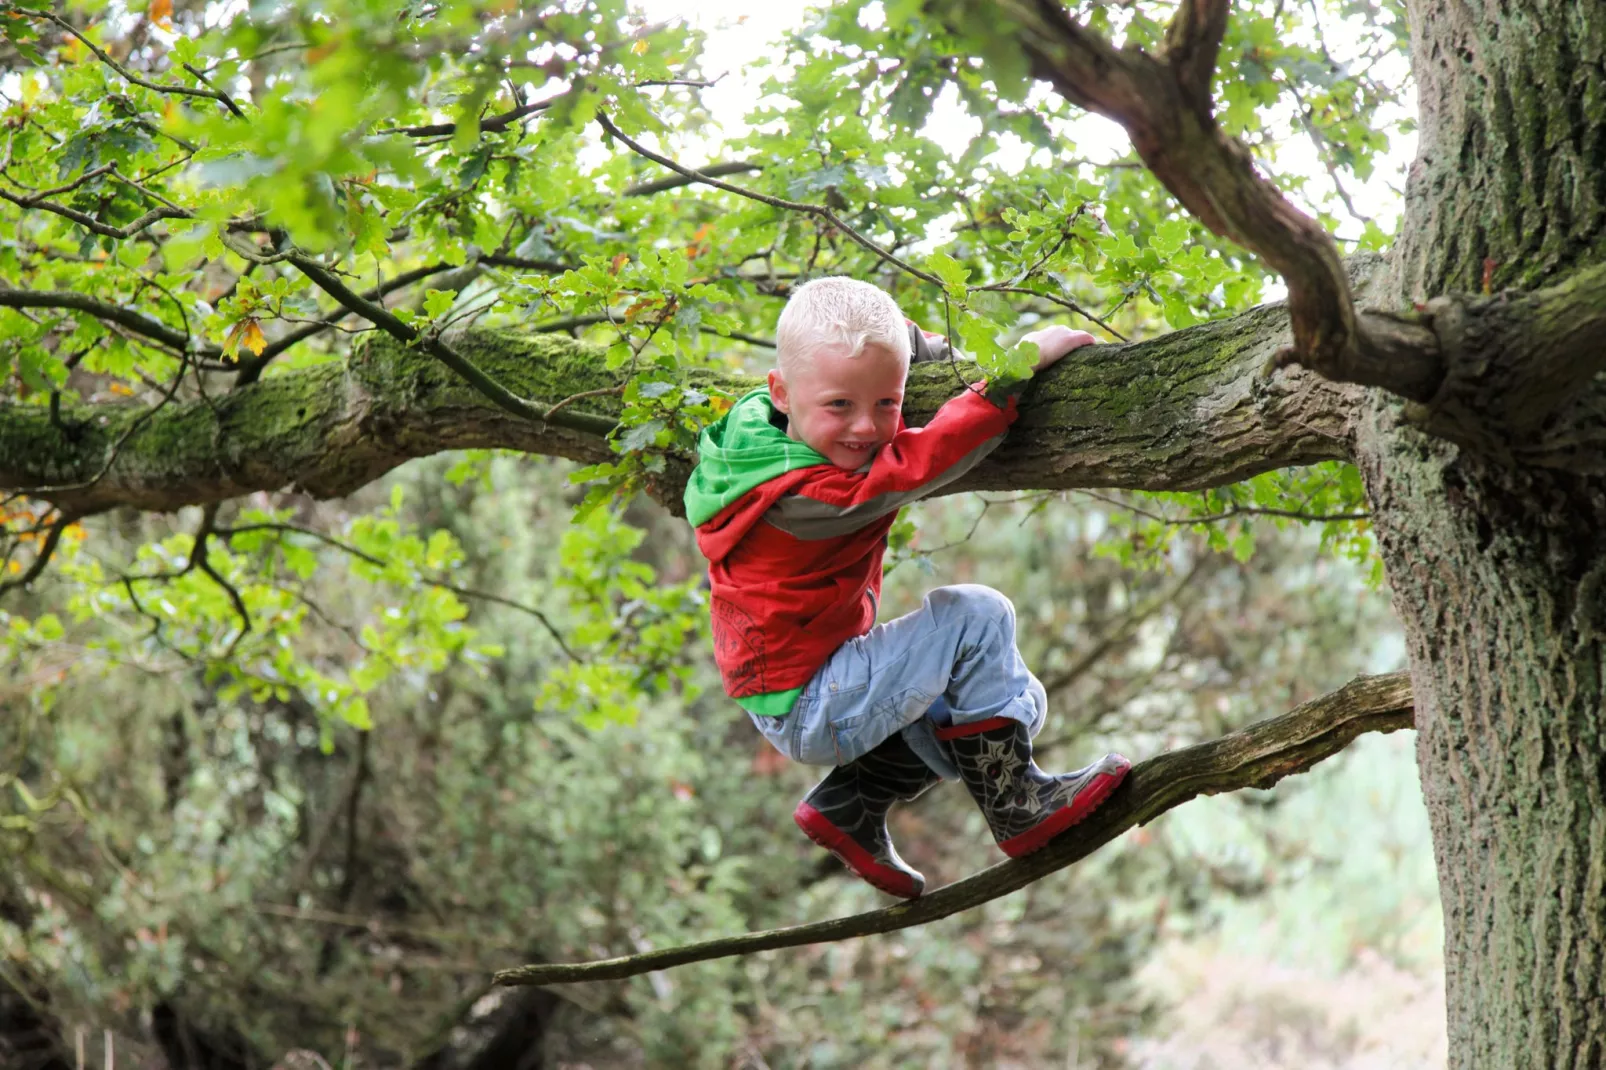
[(918, 461)]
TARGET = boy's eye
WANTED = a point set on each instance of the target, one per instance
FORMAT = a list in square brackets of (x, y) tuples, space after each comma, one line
[(889, 403), (838, 403)]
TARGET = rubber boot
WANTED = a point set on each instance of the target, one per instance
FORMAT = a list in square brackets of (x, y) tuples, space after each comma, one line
[(1024, 806), (846, 813)]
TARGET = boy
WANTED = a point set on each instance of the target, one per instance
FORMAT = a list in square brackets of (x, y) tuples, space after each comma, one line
[(792, 497)]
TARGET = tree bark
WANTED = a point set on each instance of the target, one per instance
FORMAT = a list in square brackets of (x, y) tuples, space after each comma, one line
[(1497, 564), (1511, 164)]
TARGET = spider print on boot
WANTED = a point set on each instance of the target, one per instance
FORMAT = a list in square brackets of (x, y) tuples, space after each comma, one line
[(1024, 806), (846, 813)]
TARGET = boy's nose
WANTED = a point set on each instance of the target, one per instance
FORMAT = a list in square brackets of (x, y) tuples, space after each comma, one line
[(864, 423)]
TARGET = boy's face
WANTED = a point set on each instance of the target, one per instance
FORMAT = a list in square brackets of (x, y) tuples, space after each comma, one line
[(844, 407)]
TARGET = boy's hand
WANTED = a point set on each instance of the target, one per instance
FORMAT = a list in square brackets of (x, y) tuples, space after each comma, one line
[(1054, 342)]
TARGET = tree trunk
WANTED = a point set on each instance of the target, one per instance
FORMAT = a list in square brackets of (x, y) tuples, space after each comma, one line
[(1499, 569), (1510, 174)]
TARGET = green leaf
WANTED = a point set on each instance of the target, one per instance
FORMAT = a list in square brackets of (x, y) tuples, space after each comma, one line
[(951, 272), (437, 302)]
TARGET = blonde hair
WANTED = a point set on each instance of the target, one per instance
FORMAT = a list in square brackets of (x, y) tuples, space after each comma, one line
[(838, 313)]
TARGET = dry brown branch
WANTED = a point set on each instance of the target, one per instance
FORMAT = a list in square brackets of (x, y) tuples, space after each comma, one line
[(1256, 757)]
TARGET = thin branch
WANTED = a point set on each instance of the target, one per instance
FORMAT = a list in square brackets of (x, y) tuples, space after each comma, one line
[(228, 101), (104, 57), (818, 210), (715, 170), (42, 555), (1236, 510), (1257, 757), (155, 215), (104, 310), (1063, 302), (379, 562), (494, 124), (81, 180), (386, 321), (550, 267), (251, 370)]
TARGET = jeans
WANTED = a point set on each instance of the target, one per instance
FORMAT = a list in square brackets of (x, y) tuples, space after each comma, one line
[(952, 661)]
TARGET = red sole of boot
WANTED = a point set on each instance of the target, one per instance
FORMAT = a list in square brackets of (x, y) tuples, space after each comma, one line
[(1086, 801), (856, 858)]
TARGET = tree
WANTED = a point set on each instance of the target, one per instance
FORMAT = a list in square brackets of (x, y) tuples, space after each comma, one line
[(193, 235)]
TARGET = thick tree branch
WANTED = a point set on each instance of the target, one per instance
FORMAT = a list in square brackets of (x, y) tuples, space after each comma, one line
[(1256, 757), (1524, 374), (1165, 106), (1185, 411), (1188, 410), (1192, 43)]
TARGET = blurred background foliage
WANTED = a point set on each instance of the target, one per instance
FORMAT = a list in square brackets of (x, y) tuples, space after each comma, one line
[(282, 781)]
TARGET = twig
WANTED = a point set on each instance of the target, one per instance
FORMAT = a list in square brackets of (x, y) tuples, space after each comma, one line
[(387, 322), (818, 210), (1257, 756), (1063, 302), (42, 555), (717, 170), (1237, 510), (182, 90)]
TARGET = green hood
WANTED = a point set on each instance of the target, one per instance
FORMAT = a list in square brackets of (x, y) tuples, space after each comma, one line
[(738, 452)]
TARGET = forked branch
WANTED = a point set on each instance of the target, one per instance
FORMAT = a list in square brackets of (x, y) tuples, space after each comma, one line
[(1256, 757), (1165, 106)]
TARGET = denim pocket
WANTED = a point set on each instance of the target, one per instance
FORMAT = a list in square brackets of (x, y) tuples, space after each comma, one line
[(848, 671)]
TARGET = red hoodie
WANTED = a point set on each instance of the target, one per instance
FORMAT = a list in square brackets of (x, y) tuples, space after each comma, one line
[(794, 543)]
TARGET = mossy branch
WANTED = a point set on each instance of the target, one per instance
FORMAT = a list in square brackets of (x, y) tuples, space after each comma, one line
[(1256, 757), (1187, 410)]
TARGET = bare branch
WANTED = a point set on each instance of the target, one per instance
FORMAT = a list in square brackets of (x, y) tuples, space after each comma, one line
[(1256, 757), (713, 170), (818, 210), (126, 317)]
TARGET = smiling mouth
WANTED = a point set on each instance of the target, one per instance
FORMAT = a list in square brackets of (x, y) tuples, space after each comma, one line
[(857, 447)]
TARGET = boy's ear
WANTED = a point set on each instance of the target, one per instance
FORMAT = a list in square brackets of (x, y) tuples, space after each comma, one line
[(778, 396)]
